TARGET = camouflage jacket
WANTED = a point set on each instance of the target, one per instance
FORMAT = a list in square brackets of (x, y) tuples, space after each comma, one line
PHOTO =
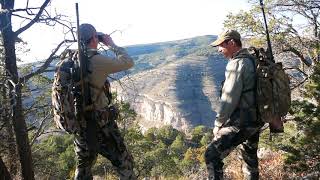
[(237, 91)]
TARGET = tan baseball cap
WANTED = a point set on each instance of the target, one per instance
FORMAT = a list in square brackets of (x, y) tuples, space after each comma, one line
[(226, 35)]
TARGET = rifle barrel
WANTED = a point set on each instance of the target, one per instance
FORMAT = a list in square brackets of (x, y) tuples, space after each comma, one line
[(267, 31), (81, 63), (78, 24)]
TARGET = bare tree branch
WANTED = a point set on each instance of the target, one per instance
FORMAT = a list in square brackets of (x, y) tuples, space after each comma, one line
[(55, 131), (297, 53), (35, 19), (302, 72), (35, 107), (300, 83), (43, 18), (25, 9), (17, 15), (46, 63), (40, 129)]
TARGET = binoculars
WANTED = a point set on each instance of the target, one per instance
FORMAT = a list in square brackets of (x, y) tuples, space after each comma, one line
[(100, 36)]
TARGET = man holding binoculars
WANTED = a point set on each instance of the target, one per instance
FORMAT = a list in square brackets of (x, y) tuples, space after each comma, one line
[(110, 144)]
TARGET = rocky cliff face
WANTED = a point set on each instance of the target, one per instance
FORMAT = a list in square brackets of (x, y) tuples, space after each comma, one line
[(182, 93), (157, 113)]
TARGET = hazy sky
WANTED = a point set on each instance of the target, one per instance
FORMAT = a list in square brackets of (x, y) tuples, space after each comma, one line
[(141, 21)]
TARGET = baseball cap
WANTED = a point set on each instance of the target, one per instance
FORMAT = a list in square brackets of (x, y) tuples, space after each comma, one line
[(87, 31), (226, 35)]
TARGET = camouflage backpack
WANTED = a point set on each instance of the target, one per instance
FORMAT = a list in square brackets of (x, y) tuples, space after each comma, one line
[(64, 92), (273, 94)]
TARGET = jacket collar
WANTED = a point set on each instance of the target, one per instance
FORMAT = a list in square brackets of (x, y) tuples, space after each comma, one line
[(241, 53)]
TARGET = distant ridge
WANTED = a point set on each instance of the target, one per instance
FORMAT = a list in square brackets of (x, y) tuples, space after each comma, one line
[(174, 83)]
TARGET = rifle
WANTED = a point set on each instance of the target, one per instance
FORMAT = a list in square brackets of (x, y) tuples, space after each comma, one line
[(82, 52), (85, 97), (276, 125), (269, 49)]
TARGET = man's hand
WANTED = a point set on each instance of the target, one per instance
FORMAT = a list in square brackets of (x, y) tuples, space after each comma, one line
[(107, 40)]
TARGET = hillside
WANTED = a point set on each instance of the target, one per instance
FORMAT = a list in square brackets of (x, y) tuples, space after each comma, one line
[(174, 83)]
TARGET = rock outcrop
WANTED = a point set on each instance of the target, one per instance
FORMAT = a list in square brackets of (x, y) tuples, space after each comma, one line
[(182, 93)]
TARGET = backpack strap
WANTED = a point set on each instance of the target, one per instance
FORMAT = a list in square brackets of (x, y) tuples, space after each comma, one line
[(90, 55), (254, 89), (255, 82), (252, 59)]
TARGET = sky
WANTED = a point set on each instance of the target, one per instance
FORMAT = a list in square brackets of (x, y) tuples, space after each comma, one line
[(140, 21)]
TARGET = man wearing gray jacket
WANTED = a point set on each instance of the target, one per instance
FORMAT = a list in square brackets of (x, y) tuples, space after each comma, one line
[(236, 122)]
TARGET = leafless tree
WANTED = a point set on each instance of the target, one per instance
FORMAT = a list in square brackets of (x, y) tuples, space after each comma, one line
[(310, 11), (15, 81)]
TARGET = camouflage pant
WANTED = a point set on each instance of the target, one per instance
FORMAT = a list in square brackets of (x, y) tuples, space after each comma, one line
[(228, 138), (110, 145)]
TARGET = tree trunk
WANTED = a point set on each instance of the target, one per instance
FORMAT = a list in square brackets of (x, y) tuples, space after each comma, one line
[(12, 163), (19, 124), (4, 171), (7, 132)]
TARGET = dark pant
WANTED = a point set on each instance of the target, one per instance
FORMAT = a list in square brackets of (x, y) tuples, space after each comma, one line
[(227, 139), (110, 145)]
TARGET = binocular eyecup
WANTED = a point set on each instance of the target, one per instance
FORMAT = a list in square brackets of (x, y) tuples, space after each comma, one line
[(100, 36)]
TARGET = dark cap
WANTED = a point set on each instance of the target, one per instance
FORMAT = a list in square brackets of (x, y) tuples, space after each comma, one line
[(87, 31), (226, 35)]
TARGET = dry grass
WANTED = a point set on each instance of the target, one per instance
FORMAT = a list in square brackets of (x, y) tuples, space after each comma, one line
[(233, 166), (270, 166)]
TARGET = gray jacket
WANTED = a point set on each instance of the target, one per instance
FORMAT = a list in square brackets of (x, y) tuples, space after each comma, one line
[(237, 92)]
